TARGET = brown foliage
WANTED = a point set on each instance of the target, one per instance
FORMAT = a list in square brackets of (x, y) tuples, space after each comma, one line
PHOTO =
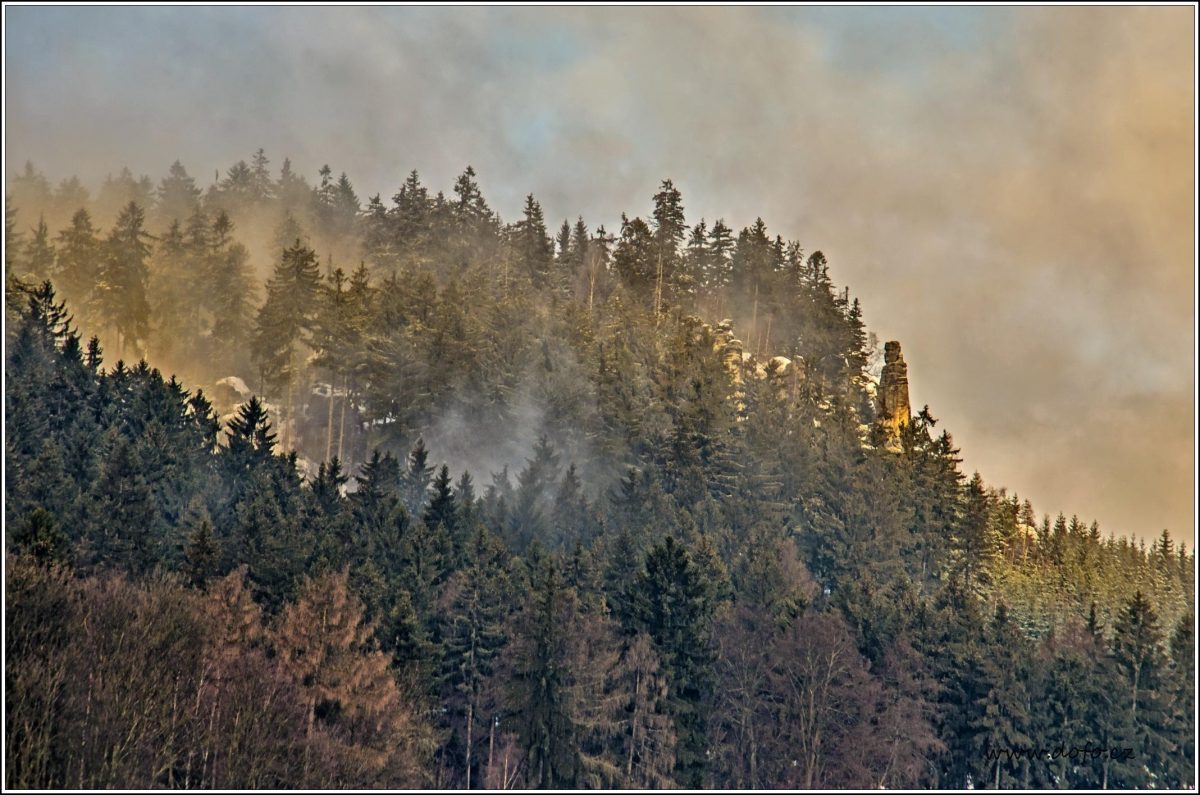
[(799, 707), (111, 684), (360, 729)]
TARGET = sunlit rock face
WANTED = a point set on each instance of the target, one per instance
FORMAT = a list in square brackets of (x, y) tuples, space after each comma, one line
[(894, 409)]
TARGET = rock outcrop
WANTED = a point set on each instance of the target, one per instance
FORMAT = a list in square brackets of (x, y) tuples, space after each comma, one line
[(894, 409)]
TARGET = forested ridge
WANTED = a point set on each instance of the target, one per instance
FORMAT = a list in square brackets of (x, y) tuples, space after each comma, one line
[(436, 499)]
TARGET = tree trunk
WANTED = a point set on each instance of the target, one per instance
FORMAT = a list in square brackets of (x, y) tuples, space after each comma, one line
[(470, 726), (754, 317), (308, 733), (287, 428), (637, 687), (329, 421), (592, 282), (491, 750), (342, 425), (658, 285)]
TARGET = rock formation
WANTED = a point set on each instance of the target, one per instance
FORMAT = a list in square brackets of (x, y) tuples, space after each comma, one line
[(894, 409)]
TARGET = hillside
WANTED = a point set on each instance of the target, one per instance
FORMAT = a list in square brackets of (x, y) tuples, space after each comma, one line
[(435, 499)]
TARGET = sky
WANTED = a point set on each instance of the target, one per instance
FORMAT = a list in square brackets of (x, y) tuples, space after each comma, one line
[(1010, 191)]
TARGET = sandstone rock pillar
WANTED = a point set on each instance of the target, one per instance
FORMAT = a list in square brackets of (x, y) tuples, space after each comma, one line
[(895, 411)]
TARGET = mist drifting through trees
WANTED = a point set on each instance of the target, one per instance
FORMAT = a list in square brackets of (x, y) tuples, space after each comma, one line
[(308, 489)]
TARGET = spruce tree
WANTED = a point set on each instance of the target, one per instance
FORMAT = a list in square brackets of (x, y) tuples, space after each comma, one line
[(670, 602), (285, 321), (533, 249), (474, 631), (1137, 651), (177, 195), (415, 481), (39, 253), (77, 273), (540, 685), (123, 276)]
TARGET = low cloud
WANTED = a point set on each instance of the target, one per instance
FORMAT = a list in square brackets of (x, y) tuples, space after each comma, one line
[(1009, 191)]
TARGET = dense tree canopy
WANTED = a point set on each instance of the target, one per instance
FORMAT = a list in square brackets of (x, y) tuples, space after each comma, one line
[(438, 500)]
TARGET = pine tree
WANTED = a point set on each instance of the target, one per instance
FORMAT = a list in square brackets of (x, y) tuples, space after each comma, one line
[(30, 190), (123, 276), (540, 685), (416, 479), (571, 515), (720, 264), (977, 545), (474, 632), (671, 604), (1000, 718), (580, 241), (359, 725), (669, 230), (203, 552), (39, 253), (532, 501), (124, 529), (262, 187), (533, 249), (635, 259), (78, 270), (1181, 695), (692, 278), (285, 320), (473, 225), (230, 292), (412, 232), (1137, 651), (177, 195), (442, 509), (12, 238)]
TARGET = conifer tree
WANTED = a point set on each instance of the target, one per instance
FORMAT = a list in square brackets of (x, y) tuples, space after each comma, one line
[(720, 265), (12, 238), (359, 726), (1181, 696), (39, 253), (285, 320), (1137, 651), (533, 248), (671, 604), (669, 230), (123, 275), (635, 258), (262, 187), (177, 196), (78, 269), (540, 685), (474, 632), (416, 479), (442, 509)]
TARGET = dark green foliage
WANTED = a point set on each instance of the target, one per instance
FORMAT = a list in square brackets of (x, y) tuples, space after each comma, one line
[(540, 695), (123, 277), (1141, 665), (474, 632), (39, 537), (694, 560), (671, 602), (286, 317)]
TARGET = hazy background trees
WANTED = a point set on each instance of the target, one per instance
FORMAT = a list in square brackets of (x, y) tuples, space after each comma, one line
[(440, 500)]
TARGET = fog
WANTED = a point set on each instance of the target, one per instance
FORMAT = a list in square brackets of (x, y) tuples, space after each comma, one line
[(1010, 191)]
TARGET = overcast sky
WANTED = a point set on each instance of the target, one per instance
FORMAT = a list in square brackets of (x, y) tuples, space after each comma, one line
[(1010, 191)]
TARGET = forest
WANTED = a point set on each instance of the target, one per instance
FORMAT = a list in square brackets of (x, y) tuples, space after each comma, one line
[(307, 490)]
